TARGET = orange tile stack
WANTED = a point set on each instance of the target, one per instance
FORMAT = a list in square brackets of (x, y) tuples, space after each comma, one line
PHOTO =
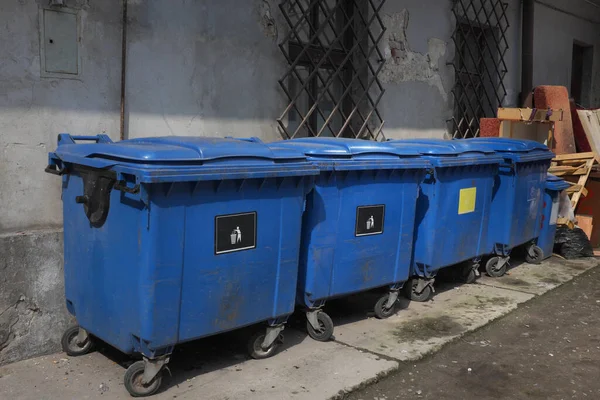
[(489, 127), (557, 97)]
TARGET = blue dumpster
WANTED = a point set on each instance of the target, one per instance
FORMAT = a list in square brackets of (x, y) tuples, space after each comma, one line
[(452, 211), (358, 225), (171, 239), (550, 202), (517, 199)]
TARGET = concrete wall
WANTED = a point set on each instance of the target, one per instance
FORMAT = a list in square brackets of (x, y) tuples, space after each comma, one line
[(417, 76), (32, 303), (417, 80), (558, 24), (32, 111), (204, 68)]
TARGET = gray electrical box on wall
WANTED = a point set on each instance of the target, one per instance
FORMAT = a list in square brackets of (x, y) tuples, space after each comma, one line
[(59, 43)]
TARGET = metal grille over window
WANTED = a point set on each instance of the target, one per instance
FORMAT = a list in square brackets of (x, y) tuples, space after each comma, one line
[(332, 85), (480, 46)]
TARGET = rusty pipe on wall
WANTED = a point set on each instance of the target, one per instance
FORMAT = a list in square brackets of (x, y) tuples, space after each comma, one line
[(123, 69)]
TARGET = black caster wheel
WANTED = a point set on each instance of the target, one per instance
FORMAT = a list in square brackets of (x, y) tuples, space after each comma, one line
[(469, 276), (410, 291), (255, 349), (492, 269), (381, 311), (325, 331), (71, 347), (538, 255), (133, 381)]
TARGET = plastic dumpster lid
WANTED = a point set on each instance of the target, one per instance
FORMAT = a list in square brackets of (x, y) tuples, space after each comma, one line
[(556, 183), (175, 149), (175, 158), (443, 147), (343, 147), (443, 153), (516, 149), (348, 153)]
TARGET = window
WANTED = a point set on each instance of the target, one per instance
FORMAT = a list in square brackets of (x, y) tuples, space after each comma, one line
[(480, 45), (331, 85)]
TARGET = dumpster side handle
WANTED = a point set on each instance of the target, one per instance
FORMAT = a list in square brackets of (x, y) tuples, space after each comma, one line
[(122, 186), (66, 138), (54, 170), (55, 165)]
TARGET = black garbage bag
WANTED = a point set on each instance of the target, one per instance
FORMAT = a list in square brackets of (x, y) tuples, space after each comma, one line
[(572, 243)]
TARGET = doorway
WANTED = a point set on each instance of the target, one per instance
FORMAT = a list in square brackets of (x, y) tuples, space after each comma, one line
[(581, 74)]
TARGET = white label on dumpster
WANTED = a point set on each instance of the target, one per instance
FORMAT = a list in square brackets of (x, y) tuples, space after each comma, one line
[(554, 212), (369, 220), (235, 232)]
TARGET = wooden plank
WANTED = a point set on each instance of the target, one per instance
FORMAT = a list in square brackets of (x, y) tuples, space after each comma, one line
[(569, 162), (582, 180), (562, 174), (573, 189), (590, 120), (574, 156), (566, 170), (585, 222), (524, 114), (576, 188)]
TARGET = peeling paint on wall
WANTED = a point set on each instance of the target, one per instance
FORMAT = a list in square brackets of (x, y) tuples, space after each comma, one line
[(404, 65), (267, 21)]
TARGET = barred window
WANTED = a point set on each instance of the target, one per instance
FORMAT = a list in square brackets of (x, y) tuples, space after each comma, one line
[(332, 85), (480, 46)]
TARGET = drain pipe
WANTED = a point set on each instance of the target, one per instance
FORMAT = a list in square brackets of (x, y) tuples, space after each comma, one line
[(527, 49), (123, 69)]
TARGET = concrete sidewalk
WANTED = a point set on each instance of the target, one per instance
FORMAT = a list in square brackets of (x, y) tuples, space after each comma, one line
[(364, 348)]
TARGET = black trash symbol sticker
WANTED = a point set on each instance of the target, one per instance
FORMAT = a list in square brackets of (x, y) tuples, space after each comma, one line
[(235, 232), (369, 220)]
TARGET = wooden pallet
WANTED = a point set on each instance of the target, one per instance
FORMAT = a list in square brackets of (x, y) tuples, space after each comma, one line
[(577, 167)]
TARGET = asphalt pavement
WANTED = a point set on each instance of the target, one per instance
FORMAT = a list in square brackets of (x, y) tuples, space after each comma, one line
[(549, 348)]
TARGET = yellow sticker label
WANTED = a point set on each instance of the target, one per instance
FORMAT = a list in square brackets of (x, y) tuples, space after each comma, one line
[(466, 200)]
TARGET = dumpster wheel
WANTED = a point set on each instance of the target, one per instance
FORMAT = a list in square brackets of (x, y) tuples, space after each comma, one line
[(256, 350), (74, 347), (534, 255), (470, 273), (325, 331), (133, 381), (382, 311), (496, 267), (410, 291)]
